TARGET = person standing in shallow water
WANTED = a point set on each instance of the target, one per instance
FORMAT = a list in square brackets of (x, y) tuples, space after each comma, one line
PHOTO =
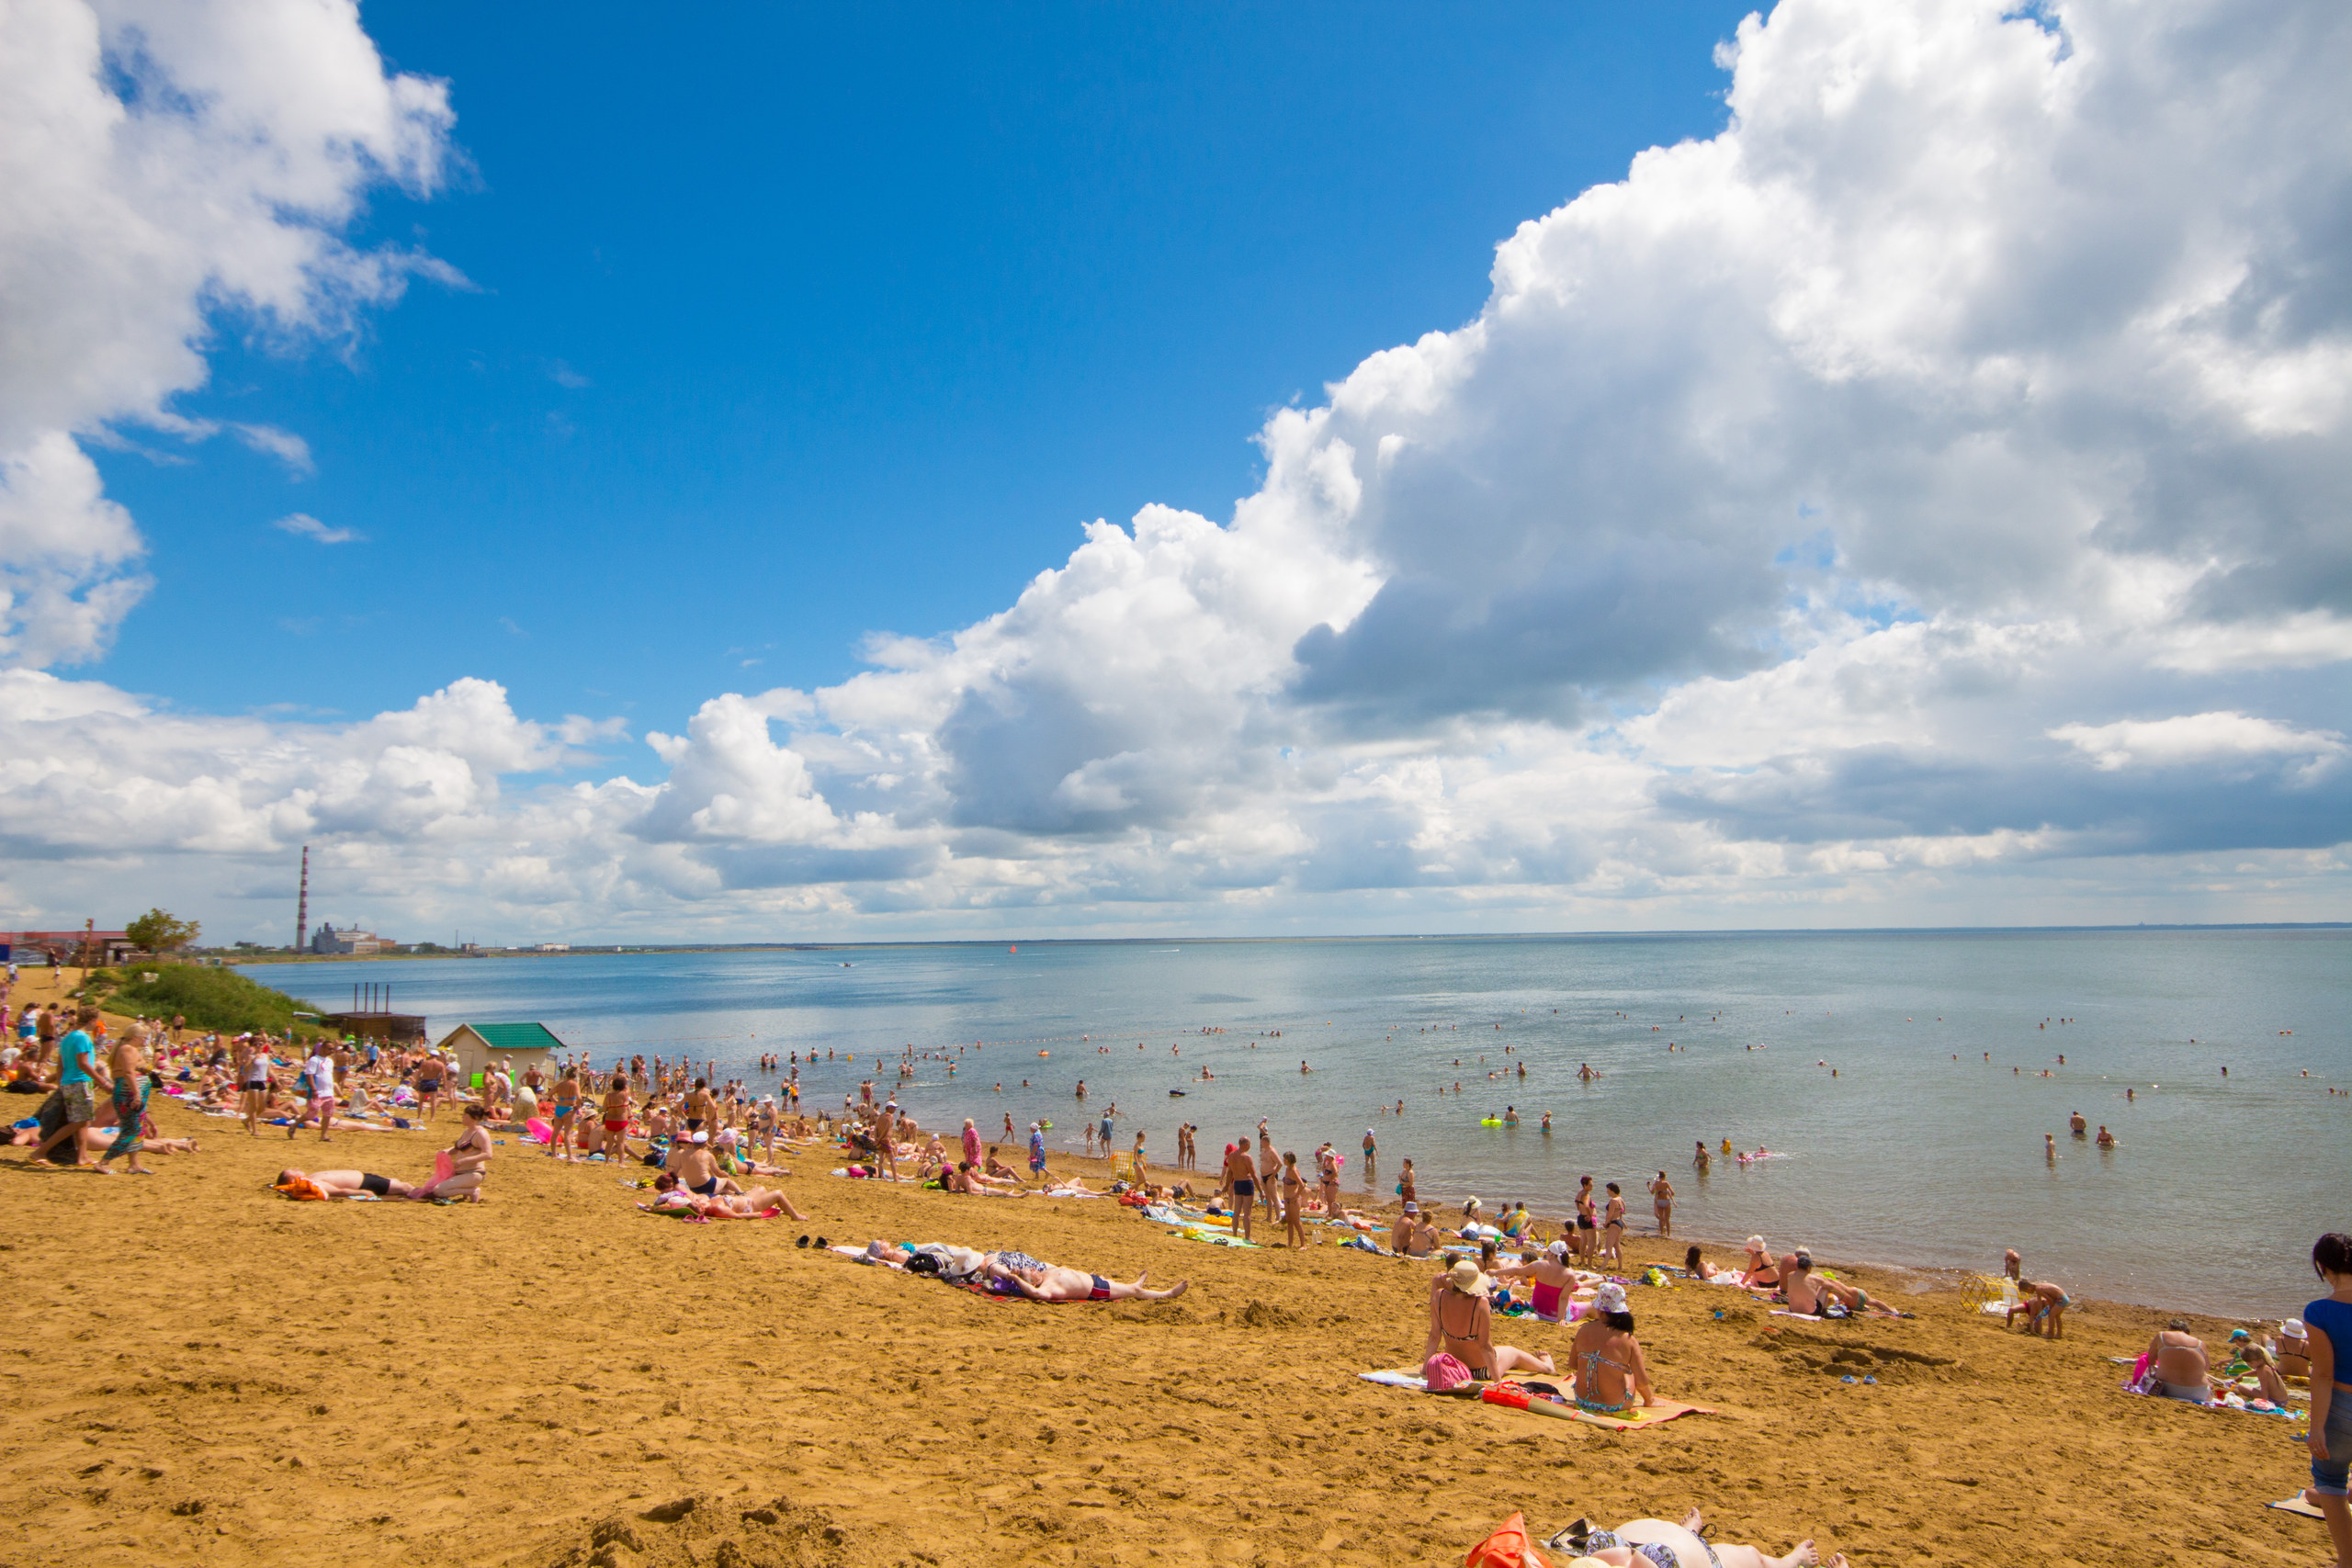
[(1662, 1203)]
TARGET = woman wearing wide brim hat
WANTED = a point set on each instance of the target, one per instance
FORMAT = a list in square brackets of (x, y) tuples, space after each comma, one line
[(1462, 1324)]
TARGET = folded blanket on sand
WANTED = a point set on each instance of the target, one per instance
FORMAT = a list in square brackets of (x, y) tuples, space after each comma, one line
[(1655, 1414)]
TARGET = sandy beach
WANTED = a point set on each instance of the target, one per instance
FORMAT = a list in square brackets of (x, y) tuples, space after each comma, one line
[(206, 1372)]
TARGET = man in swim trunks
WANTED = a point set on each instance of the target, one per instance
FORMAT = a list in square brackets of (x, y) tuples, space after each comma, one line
[(348, 1183), (1052, 1282), (698, 1172), (1241, 1181)]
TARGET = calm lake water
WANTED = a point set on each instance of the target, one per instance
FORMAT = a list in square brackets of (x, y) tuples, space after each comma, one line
[(1922, 1151)]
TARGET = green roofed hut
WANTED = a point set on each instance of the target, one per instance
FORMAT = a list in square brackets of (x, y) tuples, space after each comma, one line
[(474, 1044)]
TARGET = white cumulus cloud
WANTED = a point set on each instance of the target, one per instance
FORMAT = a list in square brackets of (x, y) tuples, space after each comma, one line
[(1803, 530), (163, 161)]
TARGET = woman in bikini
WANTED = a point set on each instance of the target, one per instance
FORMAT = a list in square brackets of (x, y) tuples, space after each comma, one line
[(1612, 1226), (252, 1080), (469, 1160), (567, 1100), (1293, 1202), (1611, 1371), (1462, 1324), (616, 1118)]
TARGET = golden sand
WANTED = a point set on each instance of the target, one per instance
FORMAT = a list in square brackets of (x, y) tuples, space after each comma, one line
[(201, 1371)]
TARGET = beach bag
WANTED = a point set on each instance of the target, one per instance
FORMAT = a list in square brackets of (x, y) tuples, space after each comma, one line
[(1442, 1373), (1507, 1548)]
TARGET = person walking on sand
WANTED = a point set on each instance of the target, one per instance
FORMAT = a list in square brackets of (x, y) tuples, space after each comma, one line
[(1612, 1223), (1662, 1203), (971, 1142), (886, 1139), (130, 1086), (77, 1070), (1326, 1167), (319, 1071), (1241, 1180), (1036, 1150)]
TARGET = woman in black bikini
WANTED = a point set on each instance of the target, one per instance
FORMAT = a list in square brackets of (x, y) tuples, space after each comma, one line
[(1462, 1324)]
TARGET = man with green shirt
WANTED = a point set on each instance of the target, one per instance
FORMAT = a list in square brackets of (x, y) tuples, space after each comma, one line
[(78, 1073)]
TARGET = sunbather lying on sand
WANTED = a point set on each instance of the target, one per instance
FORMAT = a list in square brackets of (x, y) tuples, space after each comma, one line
[(1654, 1543), (964, 1179), (1810, 1294), (1052, 1282), (671, 1193), (347, 1183)]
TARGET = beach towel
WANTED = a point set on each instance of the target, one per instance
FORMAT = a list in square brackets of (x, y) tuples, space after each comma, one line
[(1509, 1395)]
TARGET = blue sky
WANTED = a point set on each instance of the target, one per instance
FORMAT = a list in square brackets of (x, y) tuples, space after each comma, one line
[(791, 325), (594, 475)]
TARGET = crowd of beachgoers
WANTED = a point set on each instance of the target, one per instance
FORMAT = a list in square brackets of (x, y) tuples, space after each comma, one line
[(706, 1148)]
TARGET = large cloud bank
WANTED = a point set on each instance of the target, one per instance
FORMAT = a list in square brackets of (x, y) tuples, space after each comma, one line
[(1927, 498)]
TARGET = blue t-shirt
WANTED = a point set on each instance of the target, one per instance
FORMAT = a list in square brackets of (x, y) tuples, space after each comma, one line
[(2334, 1318), (76, 1051)]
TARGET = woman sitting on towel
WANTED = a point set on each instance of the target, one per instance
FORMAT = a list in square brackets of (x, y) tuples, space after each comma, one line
[(1462, 1324), (1610, 1368), (1550, 1281)]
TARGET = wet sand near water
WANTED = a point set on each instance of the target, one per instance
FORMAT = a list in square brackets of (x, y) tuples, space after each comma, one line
[(205, 1372)]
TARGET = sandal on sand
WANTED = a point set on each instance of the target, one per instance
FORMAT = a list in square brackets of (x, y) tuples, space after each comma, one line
[(802, 1242)]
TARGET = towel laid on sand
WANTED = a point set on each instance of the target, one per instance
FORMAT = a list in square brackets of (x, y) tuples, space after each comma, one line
[(1655, 1414)]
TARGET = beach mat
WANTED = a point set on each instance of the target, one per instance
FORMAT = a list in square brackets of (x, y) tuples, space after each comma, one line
[(2296, 1504)]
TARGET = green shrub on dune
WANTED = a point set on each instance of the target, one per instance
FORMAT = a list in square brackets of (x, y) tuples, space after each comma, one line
[(207, 998)]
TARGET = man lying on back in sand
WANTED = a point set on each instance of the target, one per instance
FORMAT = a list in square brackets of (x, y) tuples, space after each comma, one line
[(348, 1183), (1052, 1282)]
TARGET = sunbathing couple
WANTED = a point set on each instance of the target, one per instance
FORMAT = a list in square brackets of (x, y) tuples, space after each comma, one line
[(1794, 1282), (1015, 1274), (727, 1201), (468, 1159)]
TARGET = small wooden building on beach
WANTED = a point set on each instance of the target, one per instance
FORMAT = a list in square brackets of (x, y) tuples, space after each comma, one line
[(475, 1045)]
